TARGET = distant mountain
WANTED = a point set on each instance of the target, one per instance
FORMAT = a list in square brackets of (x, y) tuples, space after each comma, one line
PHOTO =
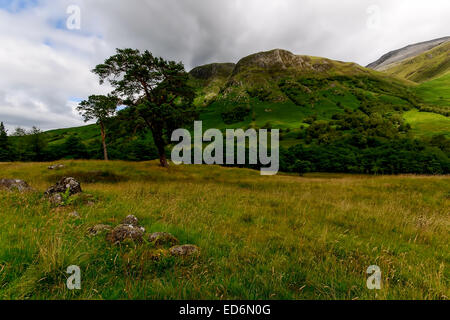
[(410, 51), (260, 75), (427, 64)]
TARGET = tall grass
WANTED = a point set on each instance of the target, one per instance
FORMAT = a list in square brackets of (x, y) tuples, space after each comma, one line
[(282, 237)]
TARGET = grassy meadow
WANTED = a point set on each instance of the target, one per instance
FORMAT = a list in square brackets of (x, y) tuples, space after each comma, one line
[(427, 124), (281, 237)]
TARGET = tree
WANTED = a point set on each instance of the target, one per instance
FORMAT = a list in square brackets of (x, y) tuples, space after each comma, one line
[(37, 144), (21, 150), (5, 148), (73, 148), (156, 88), (99, 108), (19, 132)]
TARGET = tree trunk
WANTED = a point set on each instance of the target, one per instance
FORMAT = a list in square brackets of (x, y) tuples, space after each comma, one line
[(160, 145), (105, 150)]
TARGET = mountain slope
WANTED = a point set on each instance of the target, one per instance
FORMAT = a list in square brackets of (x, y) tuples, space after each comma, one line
[(279, 89), (396, 56), (436, 92), (208, 80), (426, 66)]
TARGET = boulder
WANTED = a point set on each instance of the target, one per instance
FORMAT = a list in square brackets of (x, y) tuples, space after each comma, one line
[(56, 199), (131, 221), (56, 166), (99, 228), (162, 239), (185, 250), (14, 185), (124, 232), (63, 185)]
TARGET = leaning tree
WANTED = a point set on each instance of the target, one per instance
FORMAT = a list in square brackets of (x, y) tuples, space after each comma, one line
[(157, 89), (99, 108)]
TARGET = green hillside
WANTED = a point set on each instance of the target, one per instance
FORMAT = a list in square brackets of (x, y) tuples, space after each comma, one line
[(436, 92), (86, 133), (427, 123), (281, 90)]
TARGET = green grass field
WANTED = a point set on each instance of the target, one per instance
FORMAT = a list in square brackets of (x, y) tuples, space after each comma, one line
[(436, 92), (427, 124), (281, 237)]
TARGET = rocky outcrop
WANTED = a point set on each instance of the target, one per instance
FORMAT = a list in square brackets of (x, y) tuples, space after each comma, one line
[(277, 59), (213, 70)]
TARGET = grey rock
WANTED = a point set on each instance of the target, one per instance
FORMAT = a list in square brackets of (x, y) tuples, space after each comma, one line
[(56, 166), (63, 185), (14, 185), (126, 232), (56, 199), (131, 220), (162, 239), (185, 250)]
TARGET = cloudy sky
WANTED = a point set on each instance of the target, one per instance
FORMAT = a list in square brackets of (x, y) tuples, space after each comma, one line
[(45, 59)]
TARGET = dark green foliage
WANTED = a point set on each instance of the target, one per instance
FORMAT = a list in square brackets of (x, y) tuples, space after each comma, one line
[(375, 144), (73, 148), (261, 94), (100, 108), (157, 89), (394, 157), (439, 110), (5, 146), (299, 94), (36, 145), (236, 114)]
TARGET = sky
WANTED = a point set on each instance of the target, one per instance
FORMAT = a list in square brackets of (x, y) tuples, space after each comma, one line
[(48, 47)]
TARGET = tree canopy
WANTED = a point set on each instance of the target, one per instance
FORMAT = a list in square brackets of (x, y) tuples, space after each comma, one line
[(99, 108), (156, 88)]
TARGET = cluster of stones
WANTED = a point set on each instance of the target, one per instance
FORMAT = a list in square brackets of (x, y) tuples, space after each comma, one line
[(130, 230)]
